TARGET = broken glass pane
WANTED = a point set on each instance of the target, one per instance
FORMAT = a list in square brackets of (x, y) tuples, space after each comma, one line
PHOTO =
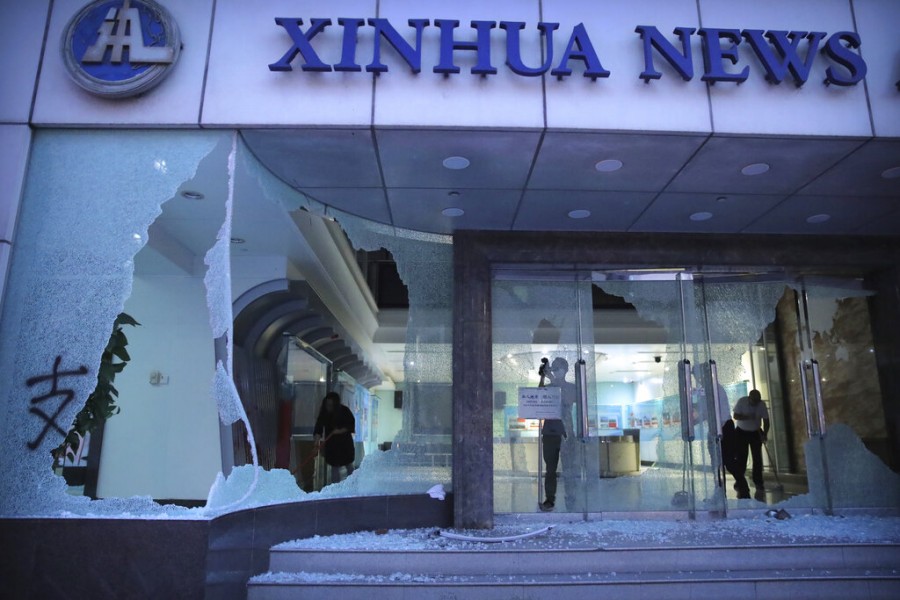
[(89, 200)]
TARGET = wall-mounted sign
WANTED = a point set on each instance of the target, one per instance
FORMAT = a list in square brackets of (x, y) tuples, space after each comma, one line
[(120, 48), (779, 53), (540, 402)]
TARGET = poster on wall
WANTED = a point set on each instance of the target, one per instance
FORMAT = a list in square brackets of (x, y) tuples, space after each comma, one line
[(540, 402)]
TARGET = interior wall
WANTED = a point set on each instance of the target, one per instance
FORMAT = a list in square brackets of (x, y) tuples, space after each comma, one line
[(850, 388), (165, 441), (390, 419), (852, 394)]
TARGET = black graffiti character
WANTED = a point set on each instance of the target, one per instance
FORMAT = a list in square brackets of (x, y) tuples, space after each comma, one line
[(66, 394)]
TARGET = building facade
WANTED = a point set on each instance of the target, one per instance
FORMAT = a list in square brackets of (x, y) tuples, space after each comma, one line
[(684, 200)]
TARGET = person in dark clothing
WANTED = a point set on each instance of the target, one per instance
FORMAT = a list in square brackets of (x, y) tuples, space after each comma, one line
[(555, 436), (749, 412), (333, 434)]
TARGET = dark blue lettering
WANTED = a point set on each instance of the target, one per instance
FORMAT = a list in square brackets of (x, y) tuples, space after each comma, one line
[(714, 54), (348, 50), (482, 47), (301, 45), (680, 61), (854, 63), (777, 69), (514, 51), (412, 55), (585, 53)]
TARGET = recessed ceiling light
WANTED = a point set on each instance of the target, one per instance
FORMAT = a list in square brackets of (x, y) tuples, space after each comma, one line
[(701, 216), (238, 240), (579, 214), (818, 218), (722, 199), (608, 166), (892, 173), (192, 195), (456, 162), (755, 169), (453, 212), (453, 194)]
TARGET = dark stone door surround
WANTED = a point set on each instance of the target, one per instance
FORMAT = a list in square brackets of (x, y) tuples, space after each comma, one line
[(475, 253)]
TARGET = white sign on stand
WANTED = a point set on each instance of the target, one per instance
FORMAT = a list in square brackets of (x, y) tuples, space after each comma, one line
[(540, 403)]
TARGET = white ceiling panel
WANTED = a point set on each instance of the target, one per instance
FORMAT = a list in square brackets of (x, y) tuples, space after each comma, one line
[(792, 163), (317, 157), (519, 180), (546, 210), (860, 174), (711, 213), (369, 203), (498, 159), (846, 215), (420, 209), (567, 160), (888, 224)]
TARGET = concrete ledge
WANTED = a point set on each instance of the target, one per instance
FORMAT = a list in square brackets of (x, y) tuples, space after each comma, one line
[(52, 558), (102, 558)]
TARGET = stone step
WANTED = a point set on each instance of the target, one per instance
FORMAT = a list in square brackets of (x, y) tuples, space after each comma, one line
[(793, 584), (575, 561)]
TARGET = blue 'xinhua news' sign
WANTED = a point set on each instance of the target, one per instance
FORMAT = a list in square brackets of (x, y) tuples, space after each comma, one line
[(781, 53)]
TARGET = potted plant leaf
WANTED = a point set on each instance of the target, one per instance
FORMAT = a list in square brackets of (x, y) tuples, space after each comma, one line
[(100, 405)]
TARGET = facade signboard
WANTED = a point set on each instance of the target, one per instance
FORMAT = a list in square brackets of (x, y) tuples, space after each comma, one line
[(121, 48), (780, 53)]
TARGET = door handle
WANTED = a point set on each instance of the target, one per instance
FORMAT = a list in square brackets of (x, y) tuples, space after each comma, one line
[(805, 392), (714, 376), (817, 387), (685, 391), (581, 390)]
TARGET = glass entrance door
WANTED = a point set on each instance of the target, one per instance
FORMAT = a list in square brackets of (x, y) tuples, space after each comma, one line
[(543, 337), (629, 355), (654, 370), (805, 345), (846, 449), (657, 362)]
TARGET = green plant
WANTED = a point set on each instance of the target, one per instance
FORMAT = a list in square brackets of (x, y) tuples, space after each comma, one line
[(101, 404)]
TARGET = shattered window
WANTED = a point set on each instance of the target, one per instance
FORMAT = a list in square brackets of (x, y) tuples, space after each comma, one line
[(420, 454), (131, 234), (89, 203), (112, 222)]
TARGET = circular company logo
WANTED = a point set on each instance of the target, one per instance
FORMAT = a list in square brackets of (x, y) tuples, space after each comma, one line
[(120, 48)]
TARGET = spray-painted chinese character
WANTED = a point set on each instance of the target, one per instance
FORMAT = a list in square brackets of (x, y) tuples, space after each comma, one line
[(55, 392)]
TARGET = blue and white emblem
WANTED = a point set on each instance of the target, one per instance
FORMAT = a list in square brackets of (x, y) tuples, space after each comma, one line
[(120, 48)]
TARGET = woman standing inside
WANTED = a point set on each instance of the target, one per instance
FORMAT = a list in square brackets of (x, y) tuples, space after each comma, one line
[(334, 430)]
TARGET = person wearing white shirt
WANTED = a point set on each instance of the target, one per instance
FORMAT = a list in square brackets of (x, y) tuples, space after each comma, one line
[(751, 419)]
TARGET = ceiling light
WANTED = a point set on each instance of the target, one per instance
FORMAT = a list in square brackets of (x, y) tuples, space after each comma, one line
[(722, 199), (608, 166), (453, 212), (136, 236), (701, 216), (892, 173), (192, 195), (456, 162), (453, 194), (579, 214), (755, 169), (238, 240), (818, 218)]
